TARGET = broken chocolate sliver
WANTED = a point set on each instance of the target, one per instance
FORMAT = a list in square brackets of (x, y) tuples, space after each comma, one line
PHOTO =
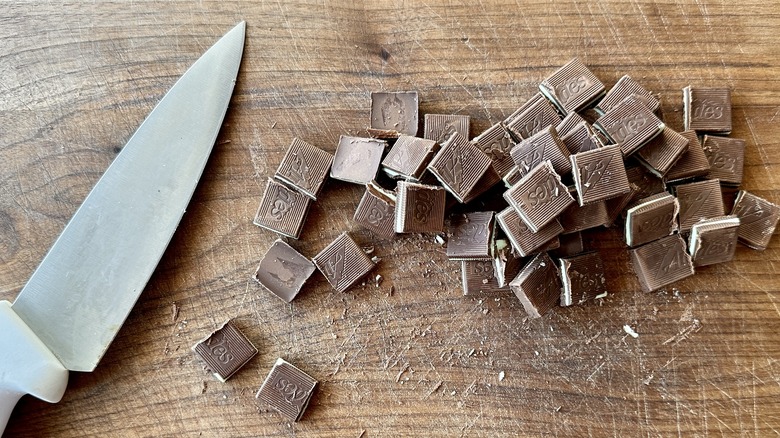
[(282, 210), (758, 218), (537, 286), (225, 351), (472, 236), (343, 262), (357, 159), (661, 262), (539, 197), (439, 127), (409, 157), (699, 200), (707, 109), (630, 124), (376, 211), (713, 240), (419, 208), (726, 157), (394, 113), (582, 278), (651, 218), (459, 165), (572, 87), (304, 167), (287, 389), (283, 270)]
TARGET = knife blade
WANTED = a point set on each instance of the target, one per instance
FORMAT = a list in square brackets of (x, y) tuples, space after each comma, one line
[(72, 307)]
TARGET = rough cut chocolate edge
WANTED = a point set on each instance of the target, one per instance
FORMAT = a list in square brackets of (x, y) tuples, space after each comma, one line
[(419, 208), (357, 159), (471, 236), (543, 145), (536, 117), (692, 163), (537, 286), (599, 174), (661, 262), (409, 157), (343, 262), (394, 113), (713, 240), (652, 218), (707, 109), (662, 152), (698, 201), (287, 389), (627, 87), (478, 276), (283, 271), (459, 165), (630, 125), (758, 218), (539, 197), (572, 87), (376, 211), (496, 143), (282, 210), (582, 278), (571, 121), (726, 156), (305, 168), (225, 351), (524, 241), (439, 127)]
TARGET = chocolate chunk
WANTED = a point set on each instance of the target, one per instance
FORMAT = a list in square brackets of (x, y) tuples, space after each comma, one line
[(439, 127), (459, 165), (376, 211), (394, 113), (283, 270), (544, 145), (478, 276), (524, 241), (582, 278), (539, 197), (726, 157), (581, 138), (529, 103), (570, 245), (599, 174), (713, 240), (662, 152), (496, 143), (512, 177), (282, 210), (536, 116), (627, 87), (409, 157), (571, 121), (647, 183), (537, 286), (578, 218), (616, 206), (506, 264), (630, 125), (488, 180), (287, 389), (707, 109), (304, 167), (419, 208), (343, 262), (651, 218), (357, 159), (225, 351), (758, 218), (472, 236), (699, 200), (692, 163), (661, 262), (572, 87)]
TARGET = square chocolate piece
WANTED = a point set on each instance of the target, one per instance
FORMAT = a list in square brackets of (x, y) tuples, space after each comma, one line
[(472, 236), (376, 211), (394, 113), (409, 157), (726, 157), (343, 262), (698, 201), (544, 145), (630, 124), (661, 262), (287, 389), (692, 163), (225, 351), (647, 183), (304, 168), (496, 143), (478, 276), (582, 277), (357, 159), (662, 152), (282, 210), (529, 103), (439, 127), (536, 116), (627, 87), (584, 217), (537, 286), (419, 208), (652, 218), (488, 180), (571, 121), (524, 241), (539, 197), (581, 138), (459, 165), (283, 270), (572, 87), (714, 240), (758, 218), (707, 109), (599, 174)]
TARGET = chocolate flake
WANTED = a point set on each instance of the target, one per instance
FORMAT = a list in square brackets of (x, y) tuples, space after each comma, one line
[(287, 389), (537, 286), (409, 157), (343, 262), (651, 218), (282, 210), (225, 351), (726, 157), (357, 159), (472, 236), (283, 271), (758, 218), (698, 201), (376, 211), (539, 197), (572, 87), (419, 208), (661, 262), (582, 278), (714, 240), (304, 168), (630, 125), (707, 109), (599, 174), (394, 113), (439, 127)]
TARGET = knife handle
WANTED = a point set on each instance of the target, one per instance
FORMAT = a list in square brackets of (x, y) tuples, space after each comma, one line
[(26, 365)]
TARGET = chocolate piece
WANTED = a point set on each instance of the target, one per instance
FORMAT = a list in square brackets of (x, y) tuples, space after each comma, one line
[(287, 389), (571, 121), (627, 87), (525, 241), (419, 208), (472, 236), (537, 286), (282, 210), (581, 138), (651, 218), (570, 245), (616, 206), (582, 278), (714, 240), (283, 270), (512, 177), (394, 113), (692, 163), (488, 180), (343, 262), (459, 165), (630, 125), (506, 264), (357, 159), (661, 262), (376, 211), (660, 154), (537, 116), (496, 143), (578, 218), (544, 145), (599, 174), (539, 197), (572, 87), (439, 127), (699, 200), (304, 167), (225, 351), (409, 157), (478, 276), (707, 109), (529, 103), (726, 157), (758, 218), (647, 183)]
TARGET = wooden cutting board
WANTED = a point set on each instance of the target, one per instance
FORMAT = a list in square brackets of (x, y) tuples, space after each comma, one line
[(410, 356)]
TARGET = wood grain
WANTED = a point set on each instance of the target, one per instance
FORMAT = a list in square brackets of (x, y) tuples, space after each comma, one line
[(412, 356)]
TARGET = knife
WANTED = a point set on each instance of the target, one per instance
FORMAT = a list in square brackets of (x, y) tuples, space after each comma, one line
[(77, 299)]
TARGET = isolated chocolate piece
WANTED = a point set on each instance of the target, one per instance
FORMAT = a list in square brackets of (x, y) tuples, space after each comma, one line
[(646, 183), (535, 117), (394, 113), (225, 351), (599, 174), (582, 278), (304, 167), (343, 262), (287, 389), (439, 127), (630, 125), (506, 263), (662, 152), (692, 163), (544, 145), (651, 218), (527, 104), (282, 210), (572, 87), (707, 109), (357, 159), (758, 218), (376, 211), (472, 236), (539, 197), (478, 276), (523, 240), (726, 157), (409, 157), (627, 87), (713, 240), (698, 201), (578, 218), (661, 262), (459, 165), (571, 121), (571, 244), (581, 138), (537, 286), (419, 208), (283, 270), (496, 143)]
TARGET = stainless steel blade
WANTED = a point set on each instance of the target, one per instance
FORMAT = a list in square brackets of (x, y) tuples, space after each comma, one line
[(85, 287)]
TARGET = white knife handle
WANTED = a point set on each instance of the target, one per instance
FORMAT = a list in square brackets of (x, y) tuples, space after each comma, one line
[(26, 365)]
